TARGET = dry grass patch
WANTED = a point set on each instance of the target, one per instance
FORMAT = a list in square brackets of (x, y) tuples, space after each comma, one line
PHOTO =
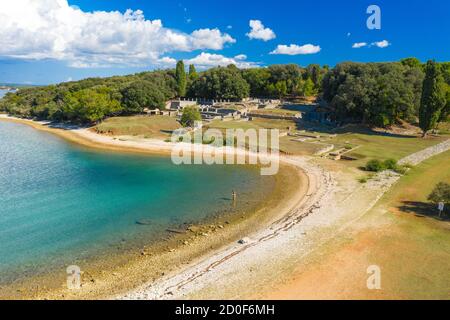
[(145, 126)]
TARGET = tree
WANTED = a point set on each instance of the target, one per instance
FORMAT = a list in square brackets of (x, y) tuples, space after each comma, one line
[(189, 116), (220, 83), (440, 193), (180, 75), (433, 98), (258, 79), (315, 73), (445, 112), (374, 93), (192, 73), (90, 105), (411, 62), (281, 89), (289, 73), (142, 94), (308, 88)]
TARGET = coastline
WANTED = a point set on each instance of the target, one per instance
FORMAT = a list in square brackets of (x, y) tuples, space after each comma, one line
[(317, 203), (157, 260)]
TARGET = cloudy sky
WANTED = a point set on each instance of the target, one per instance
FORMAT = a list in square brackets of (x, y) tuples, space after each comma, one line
[(49, 41)]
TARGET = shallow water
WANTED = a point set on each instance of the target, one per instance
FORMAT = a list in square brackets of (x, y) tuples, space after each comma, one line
[(2, 93), (60, 202)]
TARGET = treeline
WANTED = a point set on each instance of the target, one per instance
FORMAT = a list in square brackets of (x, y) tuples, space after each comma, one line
[(276, 81), (380, 93), (93, 99), (372, 93)]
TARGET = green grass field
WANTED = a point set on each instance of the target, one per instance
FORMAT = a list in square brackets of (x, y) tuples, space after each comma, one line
[(287, 145), (277, 112), (145, 126), (257, 123), (414, 252), (382, 147), (372, 145)]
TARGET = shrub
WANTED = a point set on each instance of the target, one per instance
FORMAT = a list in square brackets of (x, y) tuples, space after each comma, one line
[(401, 169), (189, 116), (375, 166), (363, 179), (390, 164)]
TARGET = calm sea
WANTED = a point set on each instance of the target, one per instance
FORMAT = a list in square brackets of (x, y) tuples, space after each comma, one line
[(60, 202), (2, 93)]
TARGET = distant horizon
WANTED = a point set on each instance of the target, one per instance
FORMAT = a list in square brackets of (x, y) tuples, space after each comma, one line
[(6, 84)]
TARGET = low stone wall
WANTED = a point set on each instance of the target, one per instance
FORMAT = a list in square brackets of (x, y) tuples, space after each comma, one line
[(271, 116), (420, 156)]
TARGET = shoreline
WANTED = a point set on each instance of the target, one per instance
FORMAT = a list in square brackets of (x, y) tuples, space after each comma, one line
[(331, 203), (289, 192)]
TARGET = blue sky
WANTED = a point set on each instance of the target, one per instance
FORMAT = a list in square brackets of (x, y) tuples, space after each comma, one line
[(77, 45)]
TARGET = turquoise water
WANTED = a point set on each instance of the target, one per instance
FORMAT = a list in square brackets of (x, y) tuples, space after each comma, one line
[(2, 93), (60, 202)]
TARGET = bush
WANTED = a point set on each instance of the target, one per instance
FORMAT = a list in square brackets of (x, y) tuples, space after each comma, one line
[(390, 164), (401, 169), (363, 179), (189, 116), (374, 166)]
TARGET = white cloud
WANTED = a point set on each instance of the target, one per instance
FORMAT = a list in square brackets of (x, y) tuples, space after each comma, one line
[(258, 31), (294, 49), (381, 44), (241, 57), (358, 45), (207, 60), (51, 29), (209, 39), (167, 62)]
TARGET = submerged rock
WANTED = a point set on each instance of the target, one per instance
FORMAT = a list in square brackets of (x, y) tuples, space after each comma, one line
[(144, 222)]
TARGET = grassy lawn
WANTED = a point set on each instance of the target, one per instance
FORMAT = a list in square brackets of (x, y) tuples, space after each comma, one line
[(371, 145), (277, 112), (444, 128), (145, 126), (418, 183), (257, 123), (411, 249), (415, 251), (382, 147), (286, 143)]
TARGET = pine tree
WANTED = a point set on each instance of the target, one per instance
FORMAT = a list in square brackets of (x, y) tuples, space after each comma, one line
[(180, 74), (433, 98), (192, 73)]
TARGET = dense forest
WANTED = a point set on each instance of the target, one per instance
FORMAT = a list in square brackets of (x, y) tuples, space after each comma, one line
[(380, 93), (373, 93)]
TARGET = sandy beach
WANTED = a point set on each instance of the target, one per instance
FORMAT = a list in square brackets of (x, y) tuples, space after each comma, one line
[(170, 257), (318, 203)]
